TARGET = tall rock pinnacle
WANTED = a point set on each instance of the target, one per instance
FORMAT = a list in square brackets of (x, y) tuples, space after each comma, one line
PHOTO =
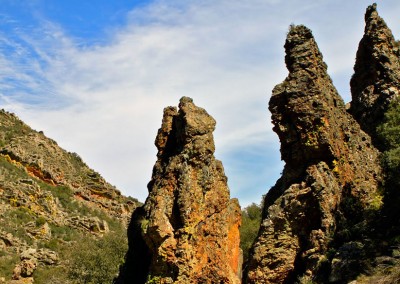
[(188, 229), (330, 163), (376, 79)]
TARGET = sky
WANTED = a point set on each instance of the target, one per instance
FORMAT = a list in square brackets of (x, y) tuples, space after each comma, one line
[(95, 75)]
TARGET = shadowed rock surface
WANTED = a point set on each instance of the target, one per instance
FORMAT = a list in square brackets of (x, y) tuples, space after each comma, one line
[(330, 180), (376, 79), (188, 229)]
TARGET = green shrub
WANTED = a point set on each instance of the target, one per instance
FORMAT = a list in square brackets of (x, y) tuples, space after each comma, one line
[(51, 275), (14, 221), (21, 215), (97, 261), (7, 264), (251, 219), (389, 132), (64, 233), (40, 221), (153, 280)]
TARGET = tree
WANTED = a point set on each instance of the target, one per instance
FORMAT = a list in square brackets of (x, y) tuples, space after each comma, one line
[(97, 261), (389, 131), (251, 219)]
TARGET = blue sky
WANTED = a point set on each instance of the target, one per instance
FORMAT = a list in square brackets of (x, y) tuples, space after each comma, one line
[(96, 75)]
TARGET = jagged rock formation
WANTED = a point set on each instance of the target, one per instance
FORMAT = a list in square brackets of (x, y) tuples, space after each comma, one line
[(49, 198), (329, 183), (188, 229), (375, 85), (376, 79)]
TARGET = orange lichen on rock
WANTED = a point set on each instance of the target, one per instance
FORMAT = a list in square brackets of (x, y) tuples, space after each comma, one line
[(35, 172), (236, 259)]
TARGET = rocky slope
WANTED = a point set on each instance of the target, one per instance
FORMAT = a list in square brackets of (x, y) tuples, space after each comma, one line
[(49, 199), (43, 159), (188, 229), (376, 79), (314, 218)]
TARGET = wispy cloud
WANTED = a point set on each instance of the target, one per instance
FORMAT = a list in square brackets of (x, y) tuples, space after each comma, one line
[(105, 101)]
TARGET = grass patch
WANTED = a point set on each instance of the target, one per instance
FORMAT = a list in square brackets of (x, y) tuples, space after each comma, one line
[(7, 264), (382, 275), (14, 220), (51, 275)]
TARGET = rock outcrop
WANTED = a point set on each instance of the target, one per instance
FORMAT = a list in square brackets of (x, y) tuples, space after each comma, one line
[(30, 259), (188, 229), (329, 183), (376, 79)]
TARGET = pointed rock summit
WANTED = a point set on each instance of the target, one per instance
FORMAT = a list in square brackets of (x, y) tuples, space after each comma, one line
[(188, 229), (330, 177), (376, 79)]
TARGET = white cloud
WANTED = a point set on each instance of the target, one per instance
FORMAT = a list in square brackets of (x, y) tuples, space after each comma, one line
[(105, 102)]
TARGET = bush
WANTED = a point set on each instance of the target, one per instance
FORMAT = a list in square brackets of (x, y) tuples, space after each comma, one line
[(97, 261), (389, 132), (251, 219), (51, 275), (7, 264)]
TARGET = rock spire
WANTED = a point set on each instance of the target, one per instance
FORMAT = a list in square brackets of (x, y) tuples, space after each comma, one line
[(376, 79), (330, 163), (188, 229)]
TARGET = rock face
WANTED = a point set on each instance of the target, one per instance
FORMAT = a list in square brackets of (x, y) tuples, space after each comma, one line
[(188, 229), (330, 179), (376, 79)]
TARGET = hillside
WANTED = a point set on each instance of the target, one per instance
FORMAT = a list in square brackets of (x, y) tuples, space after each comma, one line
[(50, 202)]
